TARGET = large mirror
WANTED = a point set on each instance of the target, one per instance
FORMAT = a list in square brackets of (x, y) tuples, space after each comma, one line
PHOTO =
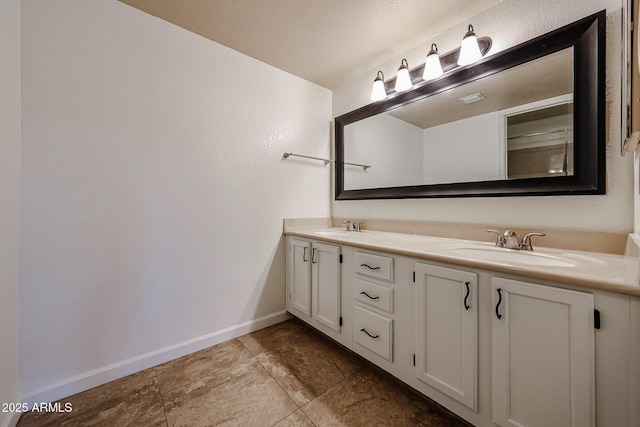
[(526, 121)]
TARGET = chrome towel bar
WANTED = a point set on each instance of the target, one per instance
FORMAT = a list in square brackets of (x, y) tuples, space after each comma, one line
[(326, 161)]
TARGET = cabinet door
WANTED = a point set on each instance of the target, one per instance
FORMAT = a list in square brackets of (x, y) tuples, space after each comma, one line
[(325, 273), (299, 276), (543, 355), (447, 331)]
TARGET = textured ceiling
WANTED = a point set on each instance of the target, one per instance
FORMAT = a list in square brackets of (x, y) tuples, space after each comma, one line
[(328, 42)]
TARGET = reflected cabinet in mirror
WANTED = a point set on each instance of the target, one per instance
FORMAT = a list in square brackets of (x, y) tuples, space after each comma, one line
[(527, 121)]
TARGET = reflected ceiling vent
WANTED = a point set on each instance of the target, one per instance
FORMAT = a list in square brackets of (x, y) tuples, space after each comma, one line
[(470, 99)]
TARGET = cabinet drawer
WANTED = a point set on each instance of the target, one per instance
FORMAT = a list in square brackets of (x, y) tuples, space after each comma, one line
[(374, 295), (380, 267), (373, 331)]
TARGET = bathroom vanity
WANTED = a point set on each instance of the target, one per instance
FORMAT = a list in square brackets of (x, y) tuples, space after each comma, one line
[(498, 336)]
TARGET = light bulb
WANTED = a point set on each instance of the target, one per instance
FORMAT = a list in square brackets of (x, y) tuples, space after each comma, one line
[(469, 49), (378, 93), (403, 81), (432, 66)]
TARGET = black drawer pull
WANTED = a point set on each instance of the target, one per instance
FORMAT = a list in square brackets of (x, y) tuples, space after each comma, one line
[(372, 336), (368, 296), (369, 267), (466, 306), (498, 315)]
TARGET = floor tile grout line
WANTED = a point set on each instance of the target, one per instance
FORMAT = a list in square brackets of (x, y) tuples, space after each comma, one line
[(237, 362), (255, 356), (360, 369), (252, 356), (292, 340), (307, 415), (301, 407), (277, 382), (164, 407), (286, 416)]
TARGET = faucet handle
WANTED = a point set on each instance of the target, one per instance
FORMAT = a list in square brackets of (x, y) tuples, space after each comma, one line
[(526, 241), (500, 238), (357, 225)]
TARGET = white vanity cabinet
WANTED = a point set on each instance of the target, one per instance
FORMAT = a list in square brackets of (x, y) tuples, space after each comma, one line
[(446, 331), (313, 283), (543, 355), (494, 347)]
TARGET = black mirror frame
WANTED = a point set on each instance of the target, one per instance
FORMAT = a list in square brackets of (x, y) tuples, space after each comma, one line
[(588, 38)]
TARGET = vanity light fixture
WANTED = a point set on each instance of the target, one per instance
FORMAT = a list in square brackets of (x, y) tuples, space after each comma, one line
[(469, 49), (403, 80), (378, 93), (432, 66)]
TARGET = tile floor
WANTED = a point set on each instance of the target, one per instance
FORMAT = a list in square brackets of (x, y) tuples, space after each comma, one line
[(285, 375)]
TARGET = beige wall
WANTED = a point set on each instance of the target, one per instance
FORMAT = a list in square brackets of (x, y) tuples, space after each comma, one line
[(508, 23), (9, 201)]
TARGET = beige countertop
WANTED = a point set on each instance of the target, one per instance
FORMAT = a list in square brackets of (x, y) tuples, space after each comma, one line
[(615, 273)]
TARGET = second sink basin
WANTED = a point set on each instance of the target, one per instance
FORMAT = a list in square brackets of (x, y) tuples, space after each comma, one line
[(513, 256)]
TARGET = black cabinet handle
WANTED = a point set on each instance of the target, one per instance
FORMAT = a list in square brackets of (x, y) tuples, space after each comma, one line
[(304, 255), (313, 256), (368, 296), (372, 336), (369, 267), (499, 302), (466, 305)]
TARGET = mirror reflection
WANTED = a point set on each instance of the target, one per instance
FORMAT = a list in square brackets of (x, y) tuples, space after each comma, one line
[(513, 124), (540, 139)]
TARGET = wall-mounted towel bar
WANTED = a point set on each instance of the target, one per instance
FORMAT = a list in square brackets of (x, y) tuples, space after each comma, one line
[(326, 161)]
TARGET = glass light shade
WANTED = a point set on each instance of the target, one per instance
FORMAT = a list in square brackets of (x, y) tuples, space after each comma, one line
[(378, 93), (432, 66), (403, 81), (469, 49)]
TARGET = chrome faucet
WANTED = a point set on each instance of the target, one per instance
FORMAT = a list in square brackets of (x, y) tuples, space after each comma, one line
[(509, 240), (353, 225)]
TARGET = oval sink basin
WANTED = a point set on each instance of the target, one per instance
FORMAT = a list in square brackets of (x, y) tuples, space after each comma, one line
[(513, 256)]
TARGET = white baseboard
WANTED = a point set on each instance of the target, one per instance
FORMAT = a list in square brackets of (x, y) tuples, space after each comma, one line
[(87, 380), (10, 420)]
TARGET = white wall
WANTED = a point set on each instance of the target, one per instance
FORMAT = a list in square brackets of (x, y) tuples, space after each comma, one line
[(392, 147), (508, 23), (153, 190), (9, 201), (466, 150)]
